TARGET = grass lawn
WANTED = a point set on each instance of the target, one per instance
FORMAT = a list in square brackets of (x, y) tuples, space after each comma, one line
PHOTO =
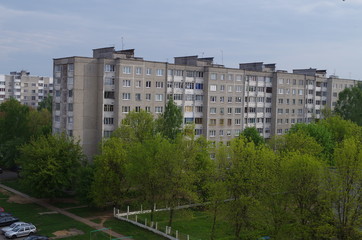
[(193, 222)]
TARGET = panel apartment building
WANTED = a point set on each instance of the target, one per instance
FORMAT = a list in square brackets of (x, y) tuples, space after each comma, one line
[(93, 94), (27, 89)]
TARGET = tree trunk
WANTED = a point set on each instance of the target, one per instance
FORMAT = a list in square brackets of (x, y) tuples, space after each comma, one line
[(214, 223), (171, 217)]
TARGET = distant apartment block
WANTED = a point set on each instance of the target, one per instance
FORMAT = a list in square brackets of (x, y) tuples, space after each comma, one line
[(93, 94), (27, 89)]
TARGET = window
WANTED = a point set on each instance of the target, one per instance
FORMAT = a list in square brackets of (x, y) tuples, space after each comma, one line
[(57, 106), (108, 108), (222, 88), (148, 109), (137, 109), (158, 109), (237, 110), (199, 108), (138, 96), (280, 90), (237, 121), (238, 88), (127, 70), (213, 110), (189, 108), (230, 88), (188, 120), (138, 70), (160, 72), (230, 77), (212, 88), (126, 109), (198, 120), (148, 84), (300, 101), (126, 83), (230, 99), (222, 111), (238, 77), (148, 96), (109, 68), (280, 110), (148, 71), (212, 98), (159, 97), (108, 121), (126, 96), (212, 121), (230, 110), (58, 68), (335, 94), (221, 132), (212, 133), (70, 67), (221, 121), (107, 134), (199, 86), (238, 99), (108, 95), (138, 84), (198, 131), (159, 84), (213, 76), (222, 77), (57, 118), (189, 85), (109, 81), (280, 101), (222, 99), (70, 107), (300, 91)]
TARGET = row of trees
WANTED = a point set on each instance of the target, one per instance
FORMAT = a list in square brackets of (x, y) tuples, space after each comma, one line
[(18, 125)]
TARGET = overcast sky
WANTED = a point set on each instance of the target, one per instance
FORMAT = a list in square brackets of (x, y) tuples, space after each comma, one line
[(323, 34)]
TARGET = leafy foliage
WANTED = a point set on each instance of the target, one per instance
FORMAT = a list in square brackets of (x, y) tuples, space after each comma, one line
[(349, 104), (169, 123), (50, 165)]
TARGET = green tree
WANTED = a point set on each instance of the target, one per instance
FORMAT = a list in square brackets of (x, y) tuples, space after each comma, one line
[(14, 130), (50, 165), (346, 188), (302, 184), (216, 186), (46, 103), (136, 127), (169, 123), (145, 171), (39, 122), (245, 181), (111, 175), (297, 141), (341, 129), (178, 177), (349, 104), (322, 135), (252, 134)]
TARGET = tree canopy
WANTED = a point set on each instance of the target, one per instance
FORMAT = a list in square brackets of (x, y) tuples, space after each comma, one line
[(50, 165), (349, 104)]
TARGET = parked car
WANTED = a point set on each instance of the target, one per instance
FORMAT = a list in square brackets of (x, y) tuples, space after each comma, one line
[(21, 231), (5, 214), (5, 221), (36, 237), (14, 225)]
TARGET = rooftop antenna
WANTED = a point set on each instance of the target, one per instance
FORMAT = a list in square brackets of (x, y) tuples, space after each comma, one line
[(202, 54), (222, 57), (122, 43)]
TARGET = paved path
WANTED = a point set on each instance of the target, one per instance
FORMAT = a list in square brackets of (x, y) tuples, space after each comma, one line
[(62, 211)]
